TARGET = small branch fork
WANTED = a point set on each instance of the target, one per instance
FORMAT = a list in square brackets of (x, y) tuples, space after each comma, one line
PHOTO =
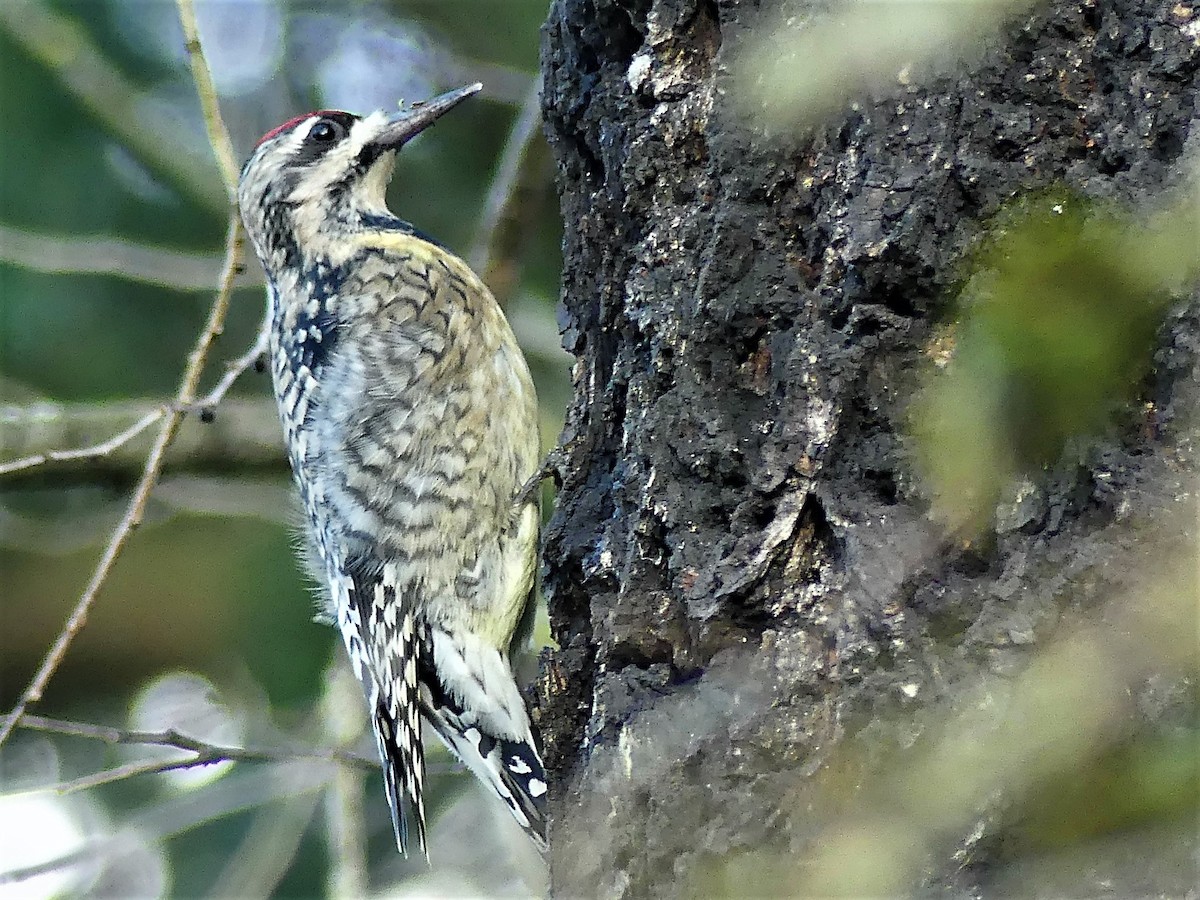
[(234, 369), (104, 448), (203, 752), (171, 419), (172, 415)]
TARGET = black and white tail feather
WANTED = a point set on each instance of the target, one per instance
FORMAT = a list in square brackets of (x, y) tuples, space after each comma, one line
[(403, 775), (402, 653), (513, 768)]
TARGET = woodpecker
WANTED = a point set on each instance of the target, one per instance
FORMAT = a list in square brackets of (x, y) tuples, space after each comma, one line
[(410, 421)]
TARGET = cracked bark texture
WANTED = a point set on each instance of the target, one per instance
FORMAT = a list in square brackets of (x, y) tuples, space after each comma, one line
[(740, 571)]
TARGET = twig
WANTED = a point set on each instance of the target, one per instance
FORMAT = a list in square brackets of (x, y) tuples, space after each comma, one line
[(57, 254), (234, 369), (507, 177), (205, 751), (104, 448), (218, 134), (150, 473), (131, 770)]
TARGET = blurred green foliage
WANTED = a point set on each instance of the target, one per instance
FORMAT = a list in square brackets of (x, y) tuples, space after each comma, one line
[(1052, 337)]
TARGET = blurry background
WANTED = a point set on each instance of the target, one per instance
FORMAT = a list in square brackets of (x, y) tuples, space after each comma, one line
[(112, 219), (111, 223)]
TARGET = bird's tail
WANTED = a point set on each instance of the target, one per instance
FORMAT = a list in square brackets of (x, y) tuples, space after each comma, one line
[(403, 760), (476, 708), (513, 768)]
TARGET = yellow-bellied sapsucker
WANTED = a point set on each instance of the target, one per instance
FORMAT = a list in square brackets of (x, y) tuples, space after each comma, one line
[(411, 424)]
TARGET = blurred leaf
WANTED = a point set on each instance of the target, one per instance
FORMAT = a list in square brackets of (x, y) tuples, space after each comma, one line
[(1149, 782), (1055, 334), (806, 66)]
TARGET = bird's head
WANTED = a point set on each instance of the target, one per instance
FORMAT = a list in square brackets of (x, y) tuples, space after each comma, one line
[(320, 174)]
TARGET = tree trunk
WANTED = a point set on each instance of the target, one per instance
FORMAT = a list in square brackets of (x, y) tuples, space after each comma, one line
[(744, 581)]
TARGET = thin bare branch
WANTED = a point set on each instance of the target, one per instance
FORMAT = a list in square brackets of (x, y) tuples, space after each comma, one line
[(234, 369), (240, 440), (218, 134), (150, 472), (507, 177), (104, 448), (45, 29), (205, 752), (132, 770), (56, 254)]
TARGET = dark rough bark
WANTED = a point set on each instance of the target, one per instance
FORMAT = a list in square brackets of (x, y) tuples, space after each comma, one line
[(740, 570)]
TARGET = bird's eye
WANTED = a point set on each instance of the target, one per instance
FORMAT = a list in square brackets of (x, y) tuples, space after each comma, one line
[(327, 130)]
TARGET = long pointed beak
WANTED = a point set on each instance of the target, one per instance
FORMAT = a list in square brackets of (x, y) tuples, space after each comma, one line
[(408, 123)]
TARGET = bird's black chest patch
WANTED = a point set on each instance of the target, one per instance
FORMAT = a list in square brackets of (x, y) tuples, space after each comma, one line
[(308, 321)]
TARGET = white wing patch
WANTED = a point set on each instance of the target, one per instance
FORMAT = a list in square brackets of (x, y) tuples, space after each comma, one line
[(479, 679)]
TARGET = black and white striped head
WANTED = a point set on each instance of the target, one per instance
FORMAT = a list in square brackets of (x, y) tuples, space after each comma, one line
[(320, 173)]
